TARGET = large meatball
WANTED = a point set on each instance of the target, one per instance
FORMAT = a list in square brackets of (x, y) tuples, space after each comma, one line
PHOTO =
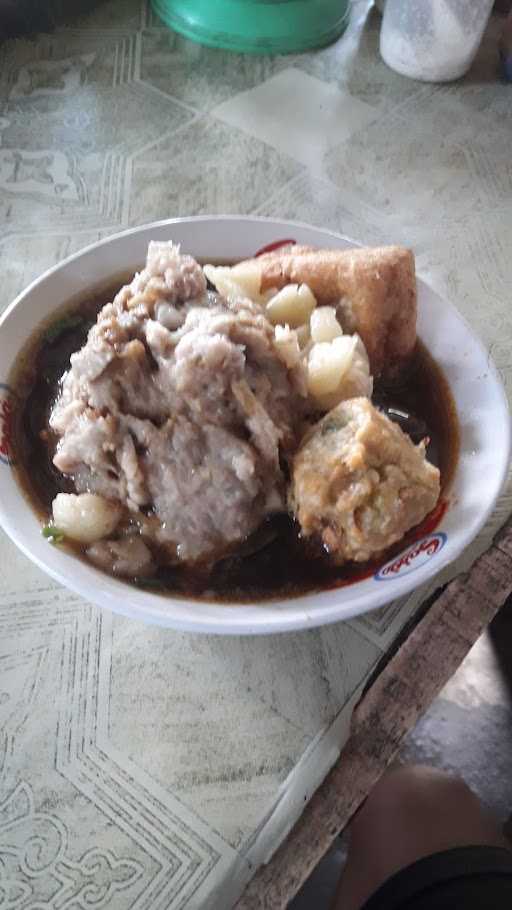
[(179, 407), (359, 483)]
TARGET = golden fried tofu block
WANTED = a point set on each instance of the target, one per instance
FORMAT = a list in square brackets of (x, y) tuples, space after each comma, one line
[(373, 290), (359, 483)]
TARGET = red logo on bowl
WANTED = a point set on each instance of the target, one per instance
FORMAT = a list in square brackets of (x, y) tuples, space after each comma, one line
[(276, 245), (412, 558), (7, 401)]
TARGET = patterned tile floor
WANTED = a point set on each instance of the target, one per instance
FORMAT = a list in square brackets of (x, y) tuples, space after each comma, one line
[(467, 731)]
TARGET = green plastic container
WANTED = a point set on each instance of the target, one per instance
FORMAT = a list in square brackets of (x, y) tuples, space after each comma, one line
[(257, 26)]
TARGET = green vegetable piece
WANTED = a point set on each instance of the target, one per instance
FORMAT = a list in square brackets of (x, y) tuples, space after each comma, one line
[(330, 426), (52, 534)]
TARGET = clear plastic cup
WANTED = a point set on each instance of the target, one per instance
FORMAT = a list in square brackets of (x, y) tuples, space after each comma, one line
[(257, 26), (432, 40)]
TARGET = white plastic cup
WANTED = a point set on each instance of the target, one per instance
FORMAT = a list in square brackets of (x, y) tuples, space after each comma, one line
[(432, 40)]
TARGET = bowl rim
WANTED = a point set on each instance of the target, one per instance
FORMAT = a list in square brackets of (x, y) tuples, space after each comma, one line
[(273, 615)]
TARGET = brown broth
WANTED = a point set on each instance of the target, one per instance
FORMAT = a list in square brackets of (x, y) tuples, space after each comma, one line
[(287, 566)]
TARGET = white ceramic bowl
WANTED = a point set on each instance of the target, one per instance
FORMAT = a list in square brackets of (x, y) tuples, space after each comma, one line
[(479, 396)]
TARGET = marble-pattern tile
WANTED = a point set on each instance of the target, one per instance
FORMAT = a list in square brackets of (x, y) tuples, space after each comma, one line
[(402, 176), (101, 826), (46, 249), (66, 145), (226, 772), (442, 117), (298, 114), (49, 187), (353, 63), (229, 773), (107, 14), (91, 122), (418, 181), (309, 675), (58, 65), (150, 18), (201, 76), (467, 263), (320, 202), (208, 167)]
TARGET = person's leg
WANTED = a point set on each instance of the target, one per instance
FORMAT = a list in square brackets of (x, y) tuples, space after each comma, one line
[(412, 812)]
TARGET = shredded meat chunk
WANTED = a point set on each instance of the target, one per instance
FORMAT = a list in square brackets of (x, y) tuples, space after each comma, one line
[(180, 404)]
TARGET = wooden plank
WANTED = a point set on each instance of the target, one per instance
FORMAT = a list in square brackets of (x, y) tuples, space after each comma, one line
[(389, 709)]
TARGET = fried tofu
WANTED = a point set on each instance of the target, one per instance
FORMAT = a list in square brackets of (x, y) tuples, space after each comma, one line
[(372, 289), (359, 483)]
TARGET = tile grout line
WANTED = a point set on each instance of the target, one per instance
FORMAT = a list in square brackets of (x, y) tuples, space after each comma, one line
[(169, 134), (280, 191), (158, 91)]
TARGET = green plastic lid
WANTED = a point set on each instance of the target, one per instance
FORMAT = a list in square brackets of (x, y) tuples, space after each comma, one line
[(257, 26)]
